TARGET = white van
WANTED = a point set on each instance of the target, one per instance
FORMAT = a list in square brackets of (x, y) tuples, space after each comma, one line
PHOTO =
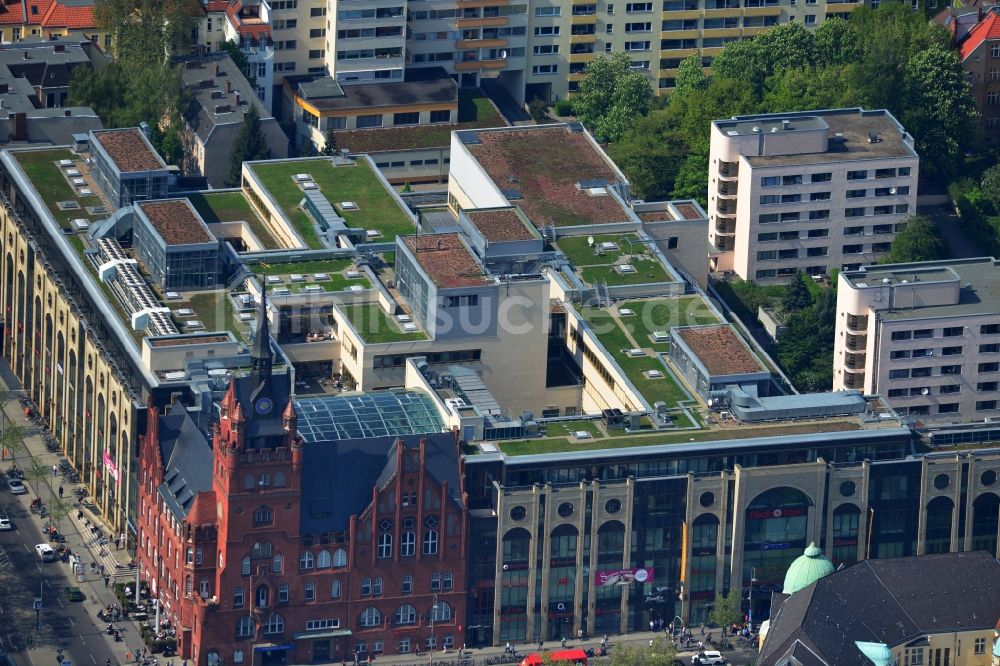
[(45, 552)]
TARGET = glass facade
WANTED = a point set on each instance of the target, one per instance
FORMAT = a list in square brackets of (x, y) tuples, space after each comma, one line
[(380, 414)]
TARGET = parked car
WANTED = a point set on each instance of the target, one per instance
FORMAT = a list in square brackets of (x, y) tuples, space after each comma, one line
[(45, 552), (5, 523), (711, 657), (74, 594), (16, 486)]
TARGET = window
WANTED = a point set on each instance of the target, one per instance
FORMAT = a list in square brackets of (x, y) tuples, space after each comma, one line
[(902, 373), (370, 617), (853, 249), (441, 612), (244, 627), (409, 118), (245, 568), (443, 116), (637, 46), (263, 516), (953, 331), (819, 215), (986, 386), (810, 19), (989, 329), (770, 181), (369, 121), (546, 30), (856, 194), (323, 560), (366, 587), (405, 614), (638, 27), (768, 199), (377, 586), (854, 212), (430, 542), (547, 11), (448, 580), (384, 546), (948, 408), (821, 177), (854, 231), (310, 591), (436, 581), (274, 624), (406, 587), (989, 367), (317, 32), (335, 589), (545, 69), (237, 597), (857, 175), (819, 196), (985, 405), (902, 335), (767, 218), (546, 49), (951, 369), (791, 198), (951, 351), (306, 561), (949, 389), (816, 252), (992, 348), (980, 644), (283, 593), (639, 7), (263, 597), (340, 558), (276, 563), (407, 544)]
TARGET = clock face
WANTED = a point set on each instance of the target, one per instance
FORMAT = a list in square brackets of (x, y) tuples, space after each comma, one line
[(264, 406)]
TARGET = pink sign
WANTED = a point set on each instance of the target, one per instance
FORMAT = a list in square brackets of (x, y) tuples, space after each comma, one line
[(110, 464), (623, 576)]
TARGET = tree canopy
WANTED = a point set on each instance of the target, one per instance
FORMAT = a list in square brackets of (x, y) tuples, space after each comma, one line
[(920, 240), (728, 610), (248, 146), (611, 96), (660, 653)]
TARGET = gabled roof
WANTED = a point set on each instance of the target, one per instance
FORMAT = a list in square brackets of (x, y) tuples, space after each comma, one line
[(72, 14), (187, 461), (12, 13), (988, 28)]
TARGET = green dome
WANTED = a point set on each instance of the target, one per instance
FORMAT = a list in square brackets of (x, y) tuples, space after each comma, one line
[(807, 569)]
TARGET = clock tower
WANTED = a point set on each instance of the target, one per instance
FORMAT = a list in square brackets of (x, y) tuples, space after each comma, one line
[(261, 362)]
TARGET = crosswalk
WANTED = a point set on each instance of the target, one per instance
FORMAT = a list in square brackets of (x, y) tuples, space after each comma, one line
[(5, 562)]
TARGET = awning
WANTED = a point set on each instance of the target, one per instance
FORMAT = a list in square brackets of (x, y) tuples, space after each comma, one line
[(273, 647), (574, 655), (332, 633)]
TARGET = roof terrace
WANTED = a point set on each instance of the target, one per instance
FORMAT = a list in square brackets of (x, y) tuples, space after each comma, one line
[(557, 176), (614, 259)]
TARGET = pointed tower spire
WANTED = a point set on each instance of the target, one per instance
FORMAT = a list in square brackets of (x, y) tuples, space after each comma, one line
[(261, 357)]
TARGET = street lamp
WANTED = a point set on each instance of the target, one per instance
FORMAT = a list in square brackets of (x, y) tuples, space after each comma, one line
[(753, 579), (430, 653)]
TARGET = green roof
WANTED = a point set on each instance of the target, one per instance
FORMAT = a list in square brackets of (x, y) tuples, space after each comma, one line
[(807, 569)]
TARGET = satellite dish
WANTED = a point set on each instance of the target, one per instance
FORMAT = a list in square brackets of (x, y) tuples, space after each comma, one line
[(892, 190), (590, 241), (503, 54), (925, 391)]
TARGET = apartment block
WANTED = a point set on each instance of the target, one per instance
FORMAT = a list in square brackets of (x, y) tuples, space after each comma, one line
[(979, 50), (808, 191), (925, 336)]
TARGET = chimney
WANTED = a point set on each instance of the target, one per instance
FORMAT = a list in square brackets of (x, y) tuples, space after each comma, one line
[(237, 98), (69, 112), (3, 88), (26, 55), (229, 85), (218, 70), (60, 48)]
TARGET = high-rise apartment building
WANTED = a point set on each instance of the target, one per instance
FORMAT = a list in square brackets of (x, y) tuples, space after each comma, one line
[(809, 191), (926, 336)]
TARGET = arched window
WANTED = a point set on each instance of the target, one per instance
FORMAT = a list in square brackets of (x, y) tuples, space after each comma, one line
[(245, 568), (340, 558), (430, 542), (335, 589), (274, 625), (263, 516), (244, 627), (406, 614), (306, 561), (249, 482), (370, 617), (323, 560), (263, 595), (441, 612), (279, 479), (384, 546), (277, 563), (407, 544)]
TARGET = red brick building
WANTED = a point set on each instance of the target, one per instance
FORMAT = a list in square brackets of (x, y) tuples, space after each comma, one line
[(267, 548)]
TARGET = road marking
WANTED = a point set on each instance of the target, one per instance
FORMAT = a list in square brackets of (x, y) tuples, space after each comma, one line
[(26, 547), (60, 603), (92, 659), (71, 622), (81, 639)]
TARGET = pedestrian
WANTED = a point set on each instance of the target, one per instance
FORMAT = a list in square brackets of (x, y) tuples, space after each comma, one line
[(128, 655), (579, 634), (93, 567), (650, 642), (107, 581), (564, 641), (60, 492), (79, 514), (102, 573), (703, 630), (539, 644)]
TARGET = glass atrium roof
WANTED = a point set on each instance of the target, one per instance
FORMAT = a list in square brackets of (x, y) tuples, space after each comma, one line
[(378, 414)]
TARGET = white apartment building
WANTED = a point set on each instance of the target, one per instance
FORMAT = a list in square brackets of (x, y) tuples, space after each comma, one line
[(925, 336), (807, 191)]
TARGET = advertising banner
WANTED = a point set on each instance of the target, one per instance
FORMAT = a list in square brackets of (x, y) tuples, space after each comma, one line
[(623, 576)]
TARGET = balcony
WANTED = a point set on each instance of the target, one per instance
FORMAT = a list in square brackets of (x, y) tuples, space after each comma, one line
[(854, 361), (465, 44), (482, 22), (854, 379), (582, 39), (728, 189), (462, 4), (856, 342), (725, 225), (857, 322), (725, 243), (729, 169), (726, 207)]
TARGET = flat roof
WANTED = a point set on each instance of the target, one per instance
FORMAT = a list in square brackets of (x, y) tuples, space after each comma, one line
[(129, 150), (326, 94), (501, 224), (979, 292), (720, 350), (446, 260), (378, 414), (541, 169), (848, 132), (176, 221)]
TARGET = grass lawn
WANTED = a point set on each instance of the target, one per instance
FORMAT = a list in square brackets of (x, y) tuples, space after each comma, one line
[(662, 313), (232, 207), (561, 445), (374, 325), (578, 251), (646, 271), (474, 110), (567, 428), (328, 266), (41, 169), (377, 209), (214, 309)]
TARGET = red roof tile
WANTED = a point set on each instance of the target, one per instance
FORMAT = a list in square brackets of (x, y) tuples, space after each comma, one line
[(216, 5), (12, 13), (988, 28), (37, 10), (61, 16)]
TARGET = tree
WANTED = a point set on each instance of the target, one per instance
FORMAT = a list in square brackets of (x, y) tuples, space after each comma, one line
[(538, 108), (329, 144), (786, 46), (919, 241), (611, 96), (728, 610), (661, 653), (836, 42), (938, 109), (797, 297), (692, 178), (248, 146), (147, 31), (690, 76), (990, 186), (12, 440), (808, 88), (650, 155)]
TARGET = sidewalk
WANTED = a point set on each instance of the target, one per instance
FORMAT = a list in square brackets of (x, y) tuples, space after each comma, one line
[(78, 537)]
